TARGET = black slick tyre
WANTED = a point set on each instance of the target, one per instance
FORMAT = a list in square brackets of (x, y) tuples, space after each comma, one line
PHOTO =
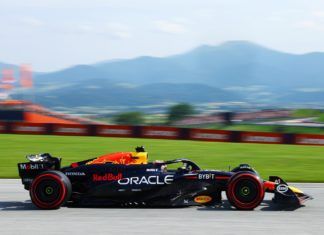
[(50, 190)]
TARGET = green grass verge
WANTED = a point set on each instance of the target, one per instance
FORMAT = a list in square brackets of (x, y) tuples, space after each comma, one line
[(276, 128), (264, 128), (293, 163)]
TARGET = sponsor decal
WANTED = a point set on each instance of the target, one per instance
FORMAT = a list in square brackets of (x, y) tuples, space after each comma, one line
[(161, 133), (106, 177), (265, 139), (77, 130), (74, 173), (31, 166), (312, 141), (136, 190), (309, 139), (244, 166), (152, 170), (210, 136), (29, 129), (114, 132), (203, 199), (27, 180), (149, 180), (282, 188), (208, 176)]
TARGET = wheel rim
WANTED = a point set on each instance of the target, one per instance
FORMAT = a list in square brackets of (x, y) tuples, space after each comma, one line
[(48, 191), (246, 191)]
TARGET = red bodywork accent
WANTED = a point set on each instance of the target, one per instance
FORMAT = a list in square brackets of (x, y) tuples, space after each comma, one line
[(269, 185), (116, 158), (222, 177), (74, 165), (191, 177)]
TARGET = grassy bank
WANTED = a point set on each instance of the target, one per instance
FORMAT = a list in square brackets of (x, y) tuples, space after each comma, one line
[(293, 163)]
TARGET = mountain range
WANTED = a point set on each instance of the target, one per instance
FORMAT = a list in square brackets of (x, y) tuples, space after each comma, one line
[(232, 71)]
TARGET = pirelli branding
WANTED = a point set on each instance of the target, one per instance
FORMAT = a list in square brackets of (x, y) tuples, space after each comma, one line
[(203, 199)]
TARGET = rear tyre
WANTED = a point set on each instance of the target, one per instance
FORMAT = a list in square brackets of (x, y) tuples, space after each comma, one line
[(245, 191), (50, 190)]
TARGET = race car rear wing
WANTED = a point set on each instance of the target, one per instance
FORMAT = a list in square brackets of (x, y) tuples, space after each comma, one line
[(37, 164)]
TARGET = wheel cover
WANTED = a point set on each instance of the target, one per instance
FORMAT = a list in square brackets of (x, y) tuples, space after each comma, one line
[(245, 192), (48, 191)]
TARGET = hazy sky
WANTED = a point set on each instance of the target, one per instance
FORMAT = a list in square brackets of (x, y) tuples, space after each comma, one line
[(53, 34)]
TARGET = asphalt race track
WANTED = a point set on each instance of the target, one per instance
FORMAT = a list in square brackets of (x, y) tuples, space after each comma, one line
[(19, 216)]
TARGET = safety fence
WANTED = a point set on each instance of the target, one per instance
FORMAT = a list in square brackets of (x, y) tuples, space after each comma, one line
[(159, 132)]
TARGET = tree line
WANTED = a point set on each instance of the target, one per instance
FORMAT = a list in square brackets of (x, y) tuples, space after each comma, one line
[(174, 113)]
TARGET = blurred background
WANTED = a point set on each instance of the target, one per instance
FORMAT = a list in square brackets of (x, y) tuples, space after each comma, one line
[(211, 64), (221, 71)]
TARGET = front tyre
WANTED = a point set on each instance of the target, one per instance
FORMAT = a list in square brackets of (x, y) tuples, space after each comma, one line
[(245, 191), (50, 190)]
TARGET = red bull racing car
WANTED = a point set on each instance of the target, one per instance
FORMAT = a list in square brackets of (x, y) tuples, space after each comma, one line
[(127, 178)]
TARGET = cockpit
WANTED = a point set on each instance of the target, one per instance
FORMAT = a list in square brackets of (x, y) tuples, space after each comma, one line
[(177, 165)]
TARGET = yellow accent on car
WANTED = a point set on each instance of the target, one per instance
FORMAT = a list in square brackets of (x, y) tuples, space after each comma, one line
[(295, 190), (140, 157), (203, 199)]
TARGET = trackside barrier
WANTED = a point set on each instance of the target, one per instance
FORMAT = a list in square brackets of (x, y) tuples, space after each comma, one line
[(114, 131), (3, 127), (210, 135), (159, 132), (28, 128), (309, 139), (262, 137), (71, 129)]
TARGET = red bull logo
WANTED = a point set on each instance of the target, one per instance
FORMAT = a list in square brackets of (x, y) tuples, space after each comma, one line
[(106, 177)]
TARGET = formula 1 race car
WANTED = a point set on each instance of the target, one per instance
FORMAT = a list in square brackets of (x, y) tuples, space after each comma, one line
[(127, 178)]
